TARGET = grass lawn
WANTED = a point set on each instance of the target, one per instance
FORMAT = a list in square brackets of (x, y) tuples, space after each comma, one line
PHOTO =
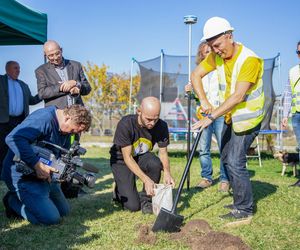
[(96, 223)]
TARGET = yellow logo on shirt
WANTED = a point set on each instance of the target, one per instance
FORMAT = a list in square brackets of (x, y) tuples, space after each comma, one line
[(141, 146)]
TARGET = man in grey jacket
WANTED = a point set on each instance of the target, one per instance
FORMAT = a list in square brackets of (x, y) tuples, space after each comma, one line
[(15, 98), (60, 81)]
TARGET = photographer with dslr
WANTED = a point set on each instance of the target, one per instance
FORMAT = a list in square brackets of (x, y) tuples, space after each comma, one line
[(36, 198)]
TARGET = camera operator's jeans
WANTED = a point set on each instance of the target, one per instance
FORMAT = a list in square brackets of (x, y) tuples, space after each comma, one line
[(233, 153), (204, 153), (125, 180), (39, 202)]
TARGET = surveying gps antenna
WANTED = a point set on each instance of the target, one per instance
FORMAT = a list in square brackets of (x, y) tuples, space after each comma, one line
[(189, 20)]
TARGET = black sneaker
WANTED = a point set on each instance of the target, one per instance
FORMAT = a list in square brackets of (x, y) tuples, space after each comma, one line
[(9, 212), (147, 208), (237, 215)]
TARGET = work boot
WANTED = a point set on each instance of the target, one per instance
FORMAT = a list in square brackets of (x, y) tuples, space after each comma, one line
[(204, 183), (9, 212), (224, 187)]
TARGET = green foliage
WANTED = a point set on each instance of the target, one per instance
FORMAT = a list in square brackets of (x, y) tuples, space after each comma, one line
[(96, 223)]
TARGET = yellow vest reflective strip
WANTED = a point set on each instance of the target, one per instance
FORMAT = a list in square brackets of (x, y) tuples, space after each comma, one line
[(249, 113), (294, 74)]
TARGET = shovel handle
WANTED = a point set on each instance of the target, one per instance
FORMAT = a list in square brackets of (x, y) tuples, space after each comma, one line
[(185, 173)]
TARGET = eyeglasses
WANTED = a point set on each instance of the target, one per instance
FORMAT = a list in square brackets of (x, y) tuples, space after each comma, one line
[(298, 52)]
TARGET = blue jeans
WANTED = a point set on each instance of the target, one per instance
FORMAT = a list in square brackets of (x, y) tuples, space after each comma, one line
[(37, 201), (204, 153), (233, 153), (296, 128)]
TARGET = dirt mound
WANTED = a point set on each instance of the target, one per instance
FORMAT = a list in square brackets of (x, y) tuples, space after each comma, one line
[(216, 241), (145, 235), (196, 234)]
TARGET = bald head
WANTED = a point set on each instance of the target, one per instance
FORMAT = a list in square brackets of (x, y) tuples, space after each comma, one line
[(150, 105), (53, 52), (149, 111)]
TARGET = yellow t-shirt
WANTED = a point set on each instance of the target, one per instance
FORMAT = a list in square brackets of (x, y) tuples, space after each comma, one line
[(249, 72)]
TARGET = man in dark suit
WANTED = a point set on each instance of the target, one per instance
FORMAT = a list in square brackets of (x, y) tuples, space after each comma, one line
[(60, 82), (15, 98)]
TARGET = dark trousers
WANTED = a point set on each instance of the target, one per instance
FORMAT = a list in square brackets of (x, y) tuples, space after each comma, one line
[(5, 129), (126, 190), (234, 149)]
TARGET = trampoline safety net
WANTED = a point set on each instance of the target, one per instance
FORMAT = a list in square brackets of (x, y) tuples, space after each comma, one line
[(165, 77)]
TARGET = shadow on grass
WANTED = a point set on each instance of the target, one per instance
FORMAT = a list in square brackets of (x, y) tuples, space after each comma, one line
[(262, 189), (73, 231)]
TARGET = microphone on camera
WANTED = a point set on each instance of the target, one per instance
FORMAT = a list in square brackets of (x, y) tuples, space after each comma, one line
[(90, 168)]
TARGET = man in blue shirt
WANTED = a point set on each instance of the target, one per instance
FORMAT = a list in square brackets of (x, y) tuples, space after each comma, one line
[(15, 98), (37, 199)]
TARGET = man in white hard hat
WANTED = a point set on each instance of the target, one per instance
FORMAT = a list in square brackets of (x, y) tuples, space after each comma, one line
[(241, 69)]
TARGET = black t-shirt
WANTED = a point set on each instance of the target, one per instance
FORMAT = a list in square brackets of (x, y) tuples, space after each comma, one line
[(129, 132)]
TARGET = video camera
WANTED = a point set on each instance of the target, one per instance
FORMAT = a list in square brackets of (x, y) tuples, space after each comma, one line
[(66, 164)]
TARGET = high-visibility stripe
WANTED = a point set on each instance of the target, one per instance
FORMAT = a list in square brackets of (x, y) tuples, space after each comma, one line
[(243, 117), (254, 94)]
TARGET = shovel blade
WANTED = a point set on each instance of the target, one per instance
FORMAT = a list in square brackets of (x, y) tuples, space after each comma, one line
[(167, 221)]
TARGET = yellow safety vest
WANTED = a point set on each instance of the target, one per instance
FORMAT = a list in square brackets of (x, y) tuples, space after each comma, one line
[(294, 78), (250, 112)]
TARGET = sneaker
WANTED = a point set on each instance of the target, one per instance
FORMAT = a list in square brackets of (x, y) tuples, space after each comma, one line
[(9, 212), (236, 214), (147, 208), (204, 183), (229, 206), (224, 187)]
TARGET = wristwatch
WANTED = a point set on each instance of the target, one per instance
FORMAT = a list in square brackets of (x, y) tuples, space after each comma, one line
[(209, 116)]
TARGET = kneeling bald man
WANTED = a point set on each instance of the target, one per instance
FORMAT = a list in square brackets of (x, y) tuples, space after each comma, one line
[(130, 156)]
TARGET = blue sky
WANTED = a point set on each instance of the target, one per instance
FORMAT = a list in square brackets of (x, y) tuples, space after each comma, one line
[(114, 31)]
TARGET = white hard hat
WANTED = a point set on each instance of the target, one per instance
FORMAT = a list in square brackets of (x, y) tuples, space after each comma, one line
[(215, 26)]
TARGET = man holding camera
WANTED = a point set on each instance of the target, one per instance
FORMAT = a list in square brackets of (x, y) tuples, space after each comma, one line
[(130, 155), (36, 198)]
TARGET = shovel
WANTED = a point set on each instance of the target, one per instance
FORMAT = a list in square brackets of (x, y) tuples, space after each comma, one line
[(167, 220)]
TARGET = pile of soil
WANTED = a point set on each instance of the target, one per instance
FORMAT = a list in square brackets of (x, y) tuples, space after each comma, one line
[(145, 235), (198, 235)]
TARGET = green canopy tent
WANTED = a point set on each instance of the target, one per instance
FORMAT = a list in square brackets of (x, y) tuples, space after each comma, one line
[(20, 25)]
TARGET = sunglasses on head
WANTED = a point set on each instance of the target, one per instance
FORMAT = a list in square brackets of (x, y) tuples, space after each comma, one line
[(298, 52)]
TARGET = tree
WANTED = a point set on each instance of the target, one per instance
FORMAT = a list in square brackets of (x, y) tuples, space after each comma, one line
[(109, 94)]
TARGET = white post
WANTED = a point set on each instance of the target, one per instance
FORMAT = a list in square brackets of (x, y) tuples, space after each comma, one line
[(130, 88), (189, 20), (280, 137), (161, 75)]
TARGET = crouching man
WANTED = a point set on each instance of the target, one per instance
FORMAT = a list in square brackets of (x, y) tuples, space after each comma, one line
[(36, 198), (130, 156)]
